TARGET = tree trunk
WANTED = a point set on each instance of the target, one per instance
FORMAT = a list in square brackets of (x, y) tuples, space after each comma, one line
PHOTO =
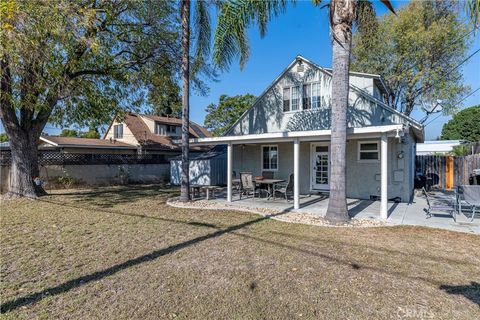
[(24, 166), (23, 135), (185, 178), (342, 13)]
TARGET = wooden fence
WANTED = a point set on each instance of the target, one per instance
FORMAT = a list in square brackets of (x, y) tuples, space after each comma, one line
[(60, 158), (448, 171)]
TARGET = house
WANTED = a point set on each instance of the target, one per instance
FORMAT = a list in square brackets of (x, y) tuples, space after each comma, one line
[(153, 134), (438, 147), (287, 130)]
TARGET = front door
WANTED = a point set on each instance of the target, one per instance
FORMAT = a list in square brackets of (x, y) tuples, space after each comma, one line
[(320, 176)]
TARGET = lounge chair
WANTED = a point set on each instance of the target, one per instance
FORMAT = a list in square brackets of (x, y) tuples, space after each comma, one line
[(285, 189), (438, 208), (468, 195)]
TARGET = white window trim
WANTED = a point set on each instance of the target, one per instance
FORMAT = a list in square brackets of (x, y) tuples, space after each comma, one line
[(359, 143), (261, 156), (116, 126), (301, 93)]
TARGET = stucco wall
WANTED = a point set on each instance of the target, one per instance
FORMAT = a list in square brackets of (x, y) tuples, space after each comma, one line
[(363, 179), (99, 174), (267, 114)]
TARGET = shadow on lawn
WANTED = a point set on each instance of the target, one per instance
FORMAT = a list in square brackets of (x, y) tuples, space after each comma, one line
[(69, 285), (470, 291), (117, 195)]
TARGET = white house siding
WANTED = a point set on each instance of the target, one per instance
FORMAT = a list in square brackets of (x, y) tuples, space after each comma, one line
[(267, 114), (363, 179)]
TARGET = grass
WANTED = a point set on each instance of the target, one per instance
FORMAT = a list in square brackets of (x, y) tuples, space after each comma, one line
[(118, 253)]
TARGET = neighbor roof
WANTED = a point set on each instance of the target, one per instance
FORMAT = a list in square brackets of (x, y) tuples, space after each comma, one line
[(85, 143), (195, 129), (152, 141)]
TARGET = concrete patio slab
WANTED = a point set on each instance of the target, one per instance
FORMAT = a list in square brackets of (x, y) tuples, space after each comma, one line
[(398, 213)]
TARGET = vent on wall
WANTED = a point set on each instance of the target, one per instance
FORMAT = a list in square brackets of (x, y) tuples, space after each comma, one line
[(300, 66)]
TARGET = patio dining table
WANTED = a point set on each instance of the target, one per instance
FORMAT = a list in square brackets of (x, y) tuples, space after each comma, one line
[(270, 183)]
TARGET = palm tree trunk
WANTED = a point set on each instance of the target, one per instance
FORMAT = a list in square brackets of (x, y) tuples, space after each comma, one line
[(185, 178), (342, 14)]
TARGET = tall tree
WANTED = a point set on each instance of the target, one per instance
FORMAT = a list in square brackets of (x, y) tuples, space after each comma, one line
[(231, 40), (464, 125), (418, 52), (191, 74), (223, 115), (76, 62)]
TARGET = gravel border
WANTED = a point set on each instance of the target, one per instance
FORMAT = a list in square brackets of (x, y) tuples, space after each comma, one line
[(290, 217)]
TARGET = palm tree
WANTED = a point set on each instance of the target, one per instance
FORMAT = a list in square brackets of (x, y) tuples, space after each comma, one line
[(202, 36), (230, 40)]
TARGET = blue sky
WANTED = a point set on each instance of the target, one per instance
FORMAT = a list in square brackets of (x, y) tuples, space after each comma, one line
[(303, 29)]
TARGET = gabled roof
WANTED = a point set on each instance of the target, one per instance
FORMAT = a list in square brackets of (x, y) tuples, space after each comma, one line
[(195, 129), (417, 125), (151, 141), (74, 142)]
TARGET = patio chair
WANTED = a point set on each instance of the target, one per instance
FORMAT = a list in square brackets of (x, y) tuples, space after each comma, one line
[(235, 185), (285, 189), (438, 208), (247, 185), (468, 195)]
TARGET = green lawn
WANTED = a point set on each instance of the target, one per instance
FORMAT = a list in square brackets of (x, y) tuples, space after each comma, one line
[(118, 253)]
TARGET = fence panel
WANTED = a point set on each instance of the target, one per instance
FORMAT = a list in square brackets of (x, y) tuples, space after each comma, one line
[(59, 158), (435, 167)]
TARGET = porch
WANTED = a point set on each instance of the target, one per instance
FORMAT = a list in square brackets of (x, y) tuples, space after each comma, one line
[(378, 164)]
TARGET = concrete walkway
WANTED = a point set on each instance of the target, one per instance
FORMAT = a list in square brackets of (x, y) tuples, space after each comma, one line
[(399, 213)]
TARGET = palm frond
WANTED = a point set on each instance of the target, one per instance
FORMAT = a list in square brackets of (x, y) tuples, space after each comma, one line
[(366, 19), (388, 4), (234, 19), (202, 35), (473, 11)]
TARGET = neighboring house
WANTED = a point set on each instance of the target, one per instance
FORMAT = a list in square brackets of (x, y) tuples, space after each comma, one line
[(438, 147), (153, 134), (287, 130)]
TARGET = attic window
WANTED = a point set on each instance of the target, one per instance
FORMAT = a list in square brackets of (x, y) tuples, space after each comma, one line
[(118, 131), (171, 129)]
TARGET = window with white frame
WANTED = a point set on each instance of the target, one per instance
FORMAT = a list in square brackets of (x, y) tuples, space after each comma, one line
[(295, 98), (307, 96), (311, 95), (269, 157), (368, 151), (315, 95), (286, 99), (171, 129), (118, 131), (159, 129)]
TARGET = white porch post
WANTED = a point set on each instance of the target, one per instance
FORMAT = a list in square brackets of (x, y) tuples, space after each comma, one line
[(296, 173), (384, 177), (229, 171)]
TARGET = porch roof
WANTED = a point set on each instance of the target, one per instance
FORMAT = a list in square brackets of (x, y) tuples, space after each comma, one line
[(313, 135)]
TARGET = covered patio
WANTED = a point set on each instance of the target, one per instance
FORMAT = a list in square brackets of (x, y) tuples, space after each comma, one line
[(301, 154)]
